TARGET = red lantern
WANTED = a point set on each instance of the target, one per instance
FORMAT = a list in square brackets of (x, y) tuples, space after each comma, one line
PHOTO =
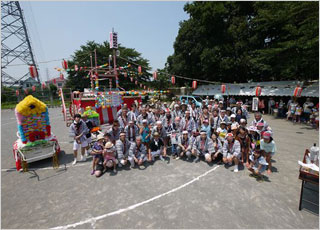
[(33, 88), (61, 76), (297, 92), (173, 80), (258, 91), (76, 68), (155, 75), (33, 71), (64, 64), (223, 88), (194, 84), (26, 91), (136, 82), (131, 78), (17, 92), (54, 81), (139, 69), (43, 86)]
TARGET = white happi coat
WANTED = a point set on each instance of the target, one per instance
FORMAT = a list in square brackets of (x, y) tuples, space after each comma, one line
[(122, 149)]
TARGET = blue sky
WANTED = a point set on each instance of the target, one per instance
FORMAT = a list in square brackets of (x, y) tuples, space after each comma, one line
[(57, 29)]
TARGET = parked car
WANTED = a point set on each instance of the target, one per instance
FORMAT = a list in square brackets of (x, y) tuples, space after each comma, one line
[(195, 99)]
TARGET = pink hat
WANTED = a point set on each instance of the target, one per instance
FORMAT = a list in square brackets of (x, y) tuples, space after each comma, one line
[(260, 124), (229, 135), (266, 135)]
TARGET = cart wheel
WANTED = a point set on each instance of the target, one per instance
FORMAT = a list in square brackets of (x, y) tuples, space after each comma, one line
[(25, 166)]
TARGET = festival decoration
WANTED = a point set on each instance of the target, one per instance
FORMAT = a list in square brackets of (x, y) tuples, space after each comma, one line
[(33, 71), (139, 69), (194, 84), (61, 76), (297, 91), (223, 88), (92, 115), (17, 92), (258, 91), (43, 85), (76, 68), (54, 81), (64, 64), (173, 80), (33, 88)]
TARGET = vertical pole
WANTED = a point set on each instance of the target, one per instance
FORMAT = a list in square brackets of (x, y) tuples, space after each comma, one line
[(115, 67), (91, 71)]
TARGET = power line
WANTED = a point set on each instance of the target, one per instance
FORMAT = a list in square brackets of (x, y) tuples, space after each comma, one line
[(182, 77)]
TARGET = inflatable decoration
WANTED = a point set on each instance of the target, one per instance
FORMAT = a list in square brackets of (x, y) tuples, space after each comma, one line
[(35, 140)]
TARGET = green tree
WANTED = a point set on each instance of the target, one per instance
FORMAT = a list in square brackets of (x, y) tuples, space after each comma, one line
[(241, 41)]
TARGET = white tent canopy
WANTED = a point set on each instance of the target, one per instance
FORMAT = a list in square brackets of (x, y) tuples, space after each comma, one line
[(270, 88)]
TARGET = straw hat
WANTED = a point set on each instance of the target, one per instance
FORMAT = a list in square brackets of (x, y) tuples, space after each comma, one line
[(109, 145), (99, 137)]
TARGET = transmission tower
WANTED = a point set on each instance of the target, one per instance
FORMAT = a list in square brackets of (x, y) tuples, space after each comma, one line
[(16, 51)]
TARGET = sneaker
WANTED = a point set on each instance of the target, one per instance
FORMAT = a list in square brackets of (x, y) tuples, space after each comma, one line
[(196, 160), (74, 162), (177, 158), (236, 170), (92, 172), (161, 158), (83, 158)]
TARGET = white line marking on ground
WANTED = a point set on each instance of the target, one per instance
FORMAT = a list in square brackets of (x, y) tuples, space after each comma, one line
[(91, 220)]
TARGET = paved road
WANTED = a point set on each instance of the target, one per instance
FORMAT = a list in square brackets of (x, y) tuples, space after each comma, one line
[(177, 194)]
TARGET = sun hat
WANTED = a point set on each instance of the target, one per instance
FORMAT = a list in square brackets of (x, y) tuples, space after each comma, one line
[(229, 109), (100, 136), (252, 128), (222, 123), (109, 145), (156, 134), (158, 122), (242, 120), (144, 121), (234, 126), (233, 116), (185, 132)]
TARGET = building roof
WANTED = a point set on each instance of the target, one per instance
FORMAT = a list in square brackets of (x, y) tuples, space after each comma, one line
[(272, 88)]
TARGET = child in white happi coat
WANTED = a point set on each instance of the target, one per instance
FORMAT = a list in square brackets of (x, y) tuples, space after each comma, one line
[(258, 163), (231, 151), (268, 147)]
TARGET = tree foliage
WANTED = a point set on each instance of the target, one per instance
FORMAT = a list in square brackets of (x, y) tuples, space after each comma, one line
[(241, 41), (78, 80)]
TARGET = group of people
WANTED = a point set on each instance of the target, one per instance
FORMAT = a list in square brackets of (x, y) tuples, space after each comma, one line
[(211, 132)]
